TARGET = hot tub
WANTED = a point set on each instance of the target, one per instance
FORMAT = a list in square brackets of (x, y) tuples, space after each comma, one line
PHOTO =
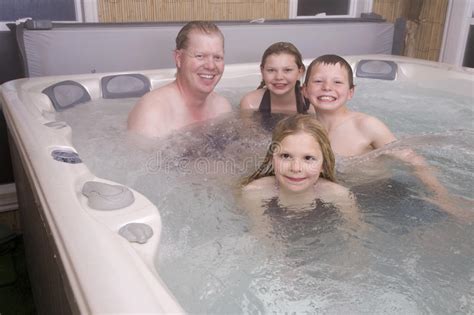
[(77, 260)]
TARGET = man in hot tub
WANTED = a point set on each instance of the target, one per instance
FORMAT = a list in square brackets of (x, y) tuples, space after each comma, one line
[(190, 98)]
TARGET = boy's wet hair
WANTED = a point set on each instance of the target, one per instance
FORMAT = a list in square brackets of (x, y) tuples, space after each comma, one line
[(331, 60), (293, 125), (205, 27)]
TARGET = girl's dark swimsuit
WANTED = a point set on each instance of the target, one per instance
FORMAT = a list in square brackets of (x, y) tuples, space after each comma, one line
[(266, 105)]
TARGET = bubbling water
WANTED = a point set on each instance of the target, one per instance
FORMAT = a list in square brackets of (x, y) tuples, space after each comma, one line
[(411, 257)]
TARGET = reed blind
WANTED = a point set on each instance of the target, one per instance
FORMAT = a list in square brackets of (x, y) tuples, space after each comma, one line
[(187, 10), (425, 24)]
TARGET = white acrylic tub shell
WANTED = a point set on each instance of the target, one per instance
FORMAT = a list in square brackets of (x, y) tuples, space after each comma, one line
[(104, 272)]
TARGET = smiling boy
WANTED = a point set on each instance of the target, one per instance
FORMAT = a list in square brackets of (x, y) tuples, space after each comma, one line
[(328, 86)]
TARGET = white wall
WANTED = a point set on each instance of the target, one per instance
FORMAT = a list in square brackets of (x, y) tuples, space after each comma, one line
[(458, 20), (89, 11)]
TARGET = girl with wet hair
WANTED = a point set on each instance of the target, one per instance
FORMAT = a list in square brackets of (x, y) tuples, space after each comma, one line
[(298, 125), (279, 92), (297, 173)]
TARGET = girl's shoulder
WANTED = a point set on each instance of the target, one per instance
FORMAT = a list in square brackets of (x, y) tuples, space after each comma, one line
[(332, 192), (259, 189), (327, 185), (262, 183), (252, 99)]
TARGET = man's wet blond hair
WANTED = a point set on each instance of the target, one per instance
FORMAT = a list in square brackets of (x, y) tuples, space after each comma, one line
[(205, 27)]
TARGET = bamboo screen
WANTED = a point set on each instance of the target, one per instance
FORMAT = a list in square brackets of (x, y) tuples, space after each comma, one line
[(187, 10), (425, 24)]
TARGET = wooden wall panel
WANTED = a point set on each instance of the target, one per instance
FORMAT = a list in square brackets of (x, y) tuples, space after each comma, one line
[(389, 9), (186, 10), (430, 36), (425, 24)]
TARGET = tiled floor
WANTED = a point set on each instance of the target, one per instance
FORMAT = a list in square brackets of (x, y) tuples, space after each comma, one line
[(15, 290)]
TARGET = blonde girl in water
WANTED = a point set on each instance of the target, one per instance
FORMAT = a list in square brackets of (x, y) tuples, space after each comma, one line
[(298, 169)]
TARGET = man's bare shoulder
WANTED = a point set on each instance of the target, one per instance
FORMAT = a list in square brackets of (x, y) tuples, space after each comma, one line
[(152, 100), (146, 116), (161, 95), (252, 99)]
